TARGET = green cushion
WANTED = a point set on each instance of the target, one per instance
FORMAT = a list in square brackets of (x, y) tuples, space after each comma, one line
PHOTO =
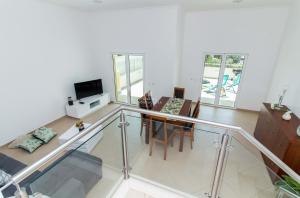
[(44, 134), (30, 144)]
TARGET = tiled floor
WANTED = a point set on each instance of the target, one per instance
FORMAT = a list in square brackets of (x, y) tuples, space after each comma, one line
[(136, 194)]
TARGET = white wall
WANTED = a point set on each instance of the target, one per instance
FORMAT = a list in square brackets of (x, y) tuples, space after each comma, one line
[(42, 52), (152, 31), (287, 73), (256, 32), (46, 48)]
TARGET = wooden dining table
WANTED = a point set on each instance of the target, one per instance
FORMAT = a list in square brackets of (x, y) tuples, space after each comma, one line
[(184, 111)]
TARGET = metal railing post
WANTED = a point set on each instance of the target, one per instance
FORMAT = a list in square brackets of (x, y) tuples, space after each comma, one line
[(220, 166), (123, 125)]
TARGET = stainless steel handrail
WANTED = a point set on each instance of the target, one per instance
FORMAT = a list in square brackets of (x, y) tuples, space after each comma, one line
[(48, 158), (234, 129)]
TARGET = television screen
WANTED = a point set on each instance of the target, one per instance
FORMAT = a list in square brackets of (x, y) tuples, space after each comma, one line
[(88, 88)]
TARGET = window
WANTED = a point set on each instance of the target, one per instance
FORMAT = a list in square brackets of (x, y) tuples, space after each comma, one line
[(221, 78), (129, 77)]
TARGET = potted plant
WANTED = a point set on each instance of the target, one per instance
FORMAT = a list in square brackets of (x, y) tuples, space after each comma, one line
[(289, 184), (80, 125)]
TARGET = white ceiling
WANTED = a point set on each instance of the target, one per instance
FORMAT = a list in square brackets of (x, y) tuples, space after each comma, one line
[(187, 4)]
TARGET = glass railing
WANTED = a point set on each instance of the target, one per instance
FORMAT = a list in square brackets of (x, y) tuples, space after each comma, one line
[(193, 157), (90, 167), (247, 175), (189, 169)]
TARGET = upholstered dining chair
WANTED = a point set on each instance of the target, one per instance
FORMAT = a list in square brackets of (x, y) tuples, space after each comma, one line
[(143, 105), (149, 101), (178, 92), (160, 133), (145, 102), (189, 128)]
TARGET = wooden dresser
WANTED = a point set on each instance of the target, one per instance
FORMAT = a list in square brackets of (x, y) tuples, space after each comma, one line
[(280, 137)]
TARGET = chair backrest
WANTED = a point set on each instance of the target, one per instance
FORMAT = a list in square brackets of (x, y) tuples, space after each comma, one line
[(142, 105), (196, 111), (237, 79), (225, 79), (149, 101), (142, 102), (178, 92)]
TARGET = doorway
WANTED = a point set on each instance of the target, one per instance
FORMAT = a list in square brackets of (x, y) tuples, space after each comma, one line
[(128, 77), (221, 79)]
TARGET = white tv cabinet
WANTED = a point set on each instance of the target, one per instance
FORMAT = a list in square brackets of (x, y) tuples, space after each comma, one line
[(88, 105)]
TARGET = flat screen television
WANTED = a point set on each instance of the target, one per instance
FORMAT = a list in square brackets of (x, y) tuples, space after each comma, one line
[(88, 88)]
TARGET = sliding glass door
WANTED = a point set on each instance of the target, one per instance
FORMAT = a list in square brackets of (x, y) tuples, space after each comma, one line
[(221, 79), (129, 75), (210, 81)]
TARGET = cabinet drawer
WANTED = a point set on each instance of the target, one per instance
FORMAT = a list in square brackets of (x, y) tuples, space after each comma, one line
[(264, 132), (281, 145), (271, 125), (272, 168)]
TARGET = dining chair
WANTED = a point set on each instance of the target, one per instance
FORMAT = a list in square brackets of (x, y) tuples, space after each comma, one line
[(149, 101), (160, 132), (145, 102), (143, 105), (178, 92), (235, 83), (189, 128), (224, 84)]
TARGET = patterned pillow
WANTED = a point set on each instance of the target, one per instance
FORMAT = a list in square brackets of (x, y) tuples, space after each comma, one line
[(14, 144), (4, 177), (44, 134), (30, 144)]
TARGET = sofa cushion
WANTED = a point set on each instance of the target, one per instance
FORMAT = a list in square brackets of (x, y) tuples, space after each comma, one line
[(72, 188), (30, 144), (44, 134), (75, 164), (14, 144), (10, 165)]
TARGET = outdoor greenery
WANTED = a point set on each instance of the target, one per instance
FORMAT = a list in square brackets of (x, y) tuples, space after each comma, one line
[(289, 184), (213, 60), (232, 61)]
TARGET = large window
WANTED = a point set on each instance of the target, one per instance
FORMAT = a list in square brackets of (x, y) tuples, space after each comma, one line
[(129, 75), (221, 78)]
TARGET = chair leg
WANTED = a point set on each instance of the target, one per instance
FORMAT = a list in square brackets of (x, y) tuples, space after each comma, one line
[(191, 139), (151, 146), (193, 136), (165, 151), (142, 125), (181, 141)]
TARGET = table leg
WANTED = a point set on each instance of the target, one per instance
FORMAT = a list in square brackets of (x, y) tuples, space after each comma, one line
[(181, 141)]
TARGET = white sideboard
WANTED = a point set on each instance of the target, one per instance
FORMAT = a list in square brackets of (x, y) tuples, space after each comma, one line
[(88, 105)]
